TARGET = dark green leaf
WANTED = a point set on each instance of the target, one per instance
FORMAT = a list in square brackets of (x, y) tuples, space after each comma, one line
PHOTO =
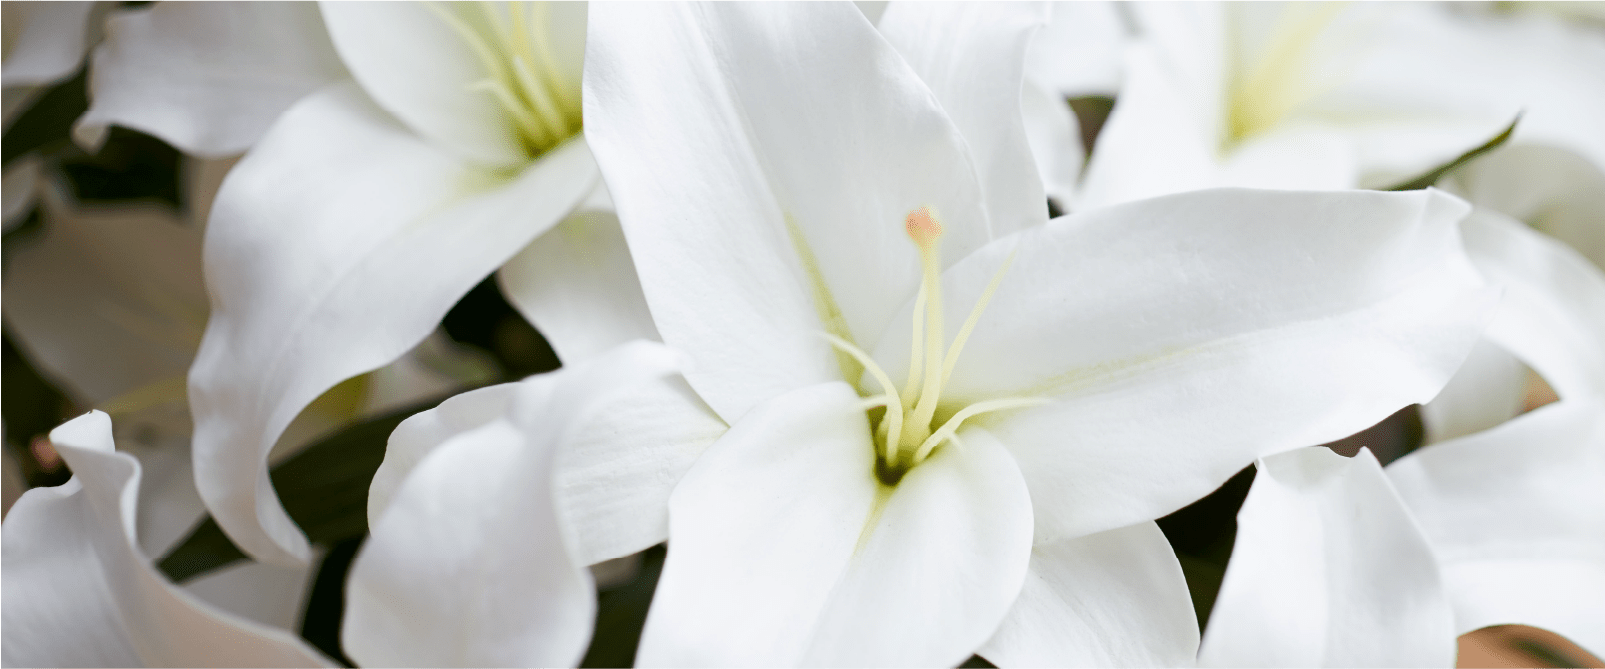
[(1432, 176), (324, 488)]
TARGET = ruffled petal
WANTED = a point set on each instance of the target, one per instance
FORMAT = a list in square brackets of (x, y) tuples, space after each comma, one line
[(79, 592), (1516, 515), (1328, 570)]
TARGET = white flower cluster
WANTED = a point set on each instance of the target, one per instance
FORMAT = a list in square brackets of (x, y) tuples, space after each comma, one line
[(901, 325)]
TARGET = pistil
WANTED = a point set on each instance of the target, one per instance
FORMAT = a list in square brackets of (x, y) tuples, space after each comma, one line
[(905, 435)]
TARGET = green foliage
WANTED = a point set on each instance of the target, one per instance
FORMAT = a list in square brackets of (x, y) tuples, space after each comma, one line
[(324, 488), (1432, 176)]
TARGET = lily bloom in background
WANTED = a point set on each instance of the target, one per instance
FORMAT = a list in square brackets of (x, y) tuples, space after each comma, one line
[(951, 422), (420, 147), (1331, 96)]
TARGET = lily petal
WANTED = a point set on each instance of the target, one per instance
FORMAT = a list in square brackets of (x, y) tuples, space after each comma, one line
[(614, 473), (109, 301), (1112, 599), (21, 183), (578, 286), (1078, 53), (206, 77), (79, 592), (786, 549), (1055, 137), (1555, 191), (761, 190), (313, 257), (1489, 389), (1553, 312), (972, 56), (419, 68), (1328, 570), (1224, 322), (45, 41), (1516, 515), (480, 511)]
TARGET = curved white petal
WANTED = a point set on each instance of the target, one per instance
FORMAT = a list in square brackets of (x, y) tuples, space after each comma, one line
[(21, 183), (1553, 312), (334, 247), (624, 460), (579, 287), (785, 549), (1213, 311), (206, 77), (725, 132), (109, 301), (417, 66), (1554, 190), (1055, 136), (417, 436), (614, 473), (1516, 515), (80, 592), (45, 41), (972, 56), (1112, 599), (1078, 53), (479, 514), (1489, 388), (1157, 140), (468, 566), (1328, 570)]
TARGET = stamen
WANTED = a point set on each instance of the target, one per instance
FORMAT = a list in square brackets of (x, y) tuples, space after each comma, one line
[(875, 402), (975, 316), (952, 425), (894, 418), (915, 357)]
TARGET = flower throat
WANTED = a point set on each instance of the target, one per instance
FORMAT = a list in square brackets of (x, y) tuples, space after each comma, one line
[(907, 432)]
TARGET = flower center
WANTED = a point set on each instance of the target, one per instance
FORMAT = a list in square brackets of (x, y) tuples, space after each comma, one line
[(1266, 91), (522, 74), (907, 431)]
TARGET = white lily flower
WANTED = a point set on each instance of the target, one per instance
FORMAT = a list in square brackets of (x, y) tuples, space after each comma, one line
[(1319, 96), (367, 209), (806, 215), (80, 591), (480, 492)]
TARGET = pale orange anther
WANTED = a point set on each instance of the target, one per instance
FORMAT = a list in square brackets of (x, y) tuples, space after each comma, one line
[(923, 227)]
